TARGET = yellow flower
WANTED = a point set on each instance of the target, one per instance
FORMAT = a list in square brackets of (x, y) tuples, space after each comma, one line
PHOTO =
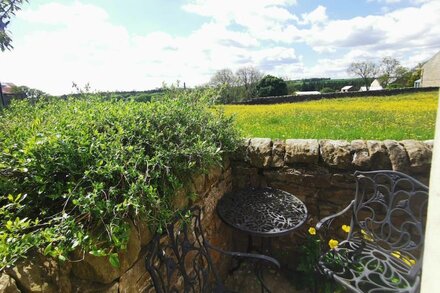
[(366, 235), (346, 228), (405, 259), (333, 243), (312, 231)]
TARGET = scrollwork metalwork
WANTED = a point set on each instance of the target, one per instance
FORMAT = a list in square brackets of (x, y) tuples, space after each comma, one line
[(262, 212), (180, 261), (383, 251)]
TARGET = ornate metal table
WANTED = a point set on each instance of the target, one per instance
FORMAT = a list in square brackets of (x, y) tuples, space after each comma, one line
[(262, 212)]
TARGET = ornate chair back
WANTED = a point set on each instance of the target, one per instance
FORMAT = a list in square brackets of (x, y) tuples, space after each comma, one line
[(390, 209), (179, 260)]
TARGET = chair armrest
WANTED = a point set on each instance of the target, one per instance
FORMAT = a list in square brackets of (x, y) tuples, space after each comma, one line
[(246, 255), (331, 217)]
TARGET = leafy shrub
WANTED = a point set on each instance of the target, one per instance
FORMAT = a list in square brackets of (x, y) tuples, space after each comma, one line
[(72, 172), (271, 86), (327, 90)]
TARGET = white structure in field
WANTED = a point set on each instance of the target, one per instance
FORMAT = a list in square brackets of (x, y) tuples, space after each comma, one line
[(307, 93), (347, 88), (374, 86)]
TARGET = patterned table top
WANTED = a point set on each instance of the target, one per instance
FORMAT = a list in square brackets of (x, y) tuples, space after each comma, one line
[(262, 212)]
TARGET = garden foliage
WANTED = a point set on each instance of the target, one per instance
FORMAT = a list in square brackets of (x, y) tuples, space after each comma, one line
[(74, 172), (271, 86)]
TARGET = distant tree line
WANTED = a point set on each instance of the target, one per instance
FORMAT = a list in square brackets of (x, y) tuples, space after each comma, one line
[(246, 83), (323, 85), (389, 72)]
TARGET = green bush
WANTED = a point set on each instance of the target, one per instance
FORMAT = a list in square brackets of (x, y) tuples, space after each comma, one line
[(271, 86), (327, 90), (73, 172)]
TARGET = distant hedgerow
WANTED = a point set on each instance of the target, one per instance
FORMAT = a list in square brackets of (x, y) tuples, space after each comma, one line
[(72, 172)]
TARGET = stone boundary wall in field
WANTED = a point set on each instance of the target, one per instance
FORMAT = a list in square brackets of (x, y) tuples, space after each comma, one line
[(302, 98), (95, 274), (320, 173)]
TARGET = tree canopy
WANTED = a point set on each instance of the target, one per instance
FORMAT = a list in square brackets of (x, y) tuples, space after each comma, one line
[(7, 10), (271, 86)]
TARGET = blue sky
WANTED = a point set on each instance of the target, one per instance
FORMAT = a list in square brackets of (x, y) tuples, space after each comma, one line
[(138, 44)]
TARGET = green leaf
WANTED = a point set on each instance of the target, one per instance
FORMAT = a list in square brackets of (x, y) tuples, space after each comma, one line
[(114, 260), (47, 249)]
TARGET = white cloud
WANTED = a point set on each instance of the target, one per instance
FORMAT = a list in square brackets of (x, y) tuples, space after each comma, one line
[(402, 29), (318, 15), (80, 43)]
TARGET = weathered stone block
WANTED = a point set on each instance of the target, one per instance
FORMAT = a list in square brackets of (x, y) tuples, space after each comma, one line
[(287, 175), (7, 284), (136, 278), (336, 153), (214, 174), (241, 153), (429, 144), (99, 269), (38, 273), (145, 232), (379, 157), (398, 156), (198, 183), (361, 157), (278, 151), (83, 286), (343, 181), (260, 152), (302, 151), (419, 155)]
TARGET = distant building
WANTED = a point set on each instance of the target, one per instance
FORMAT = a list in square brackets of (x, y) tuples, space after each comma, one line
[(417, 83), (347, 88), (374, 86), (7, 87), (431, 72), (307, 93)]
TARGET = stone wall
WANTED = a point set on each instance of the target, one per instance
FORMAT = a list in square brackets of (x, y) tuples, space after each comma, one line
[(320, 172), (88, 273), (337, 95)]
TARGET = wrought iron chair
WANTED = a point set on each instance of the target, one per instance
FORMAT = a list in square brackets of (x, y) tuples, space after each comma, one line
[(383, 250), (180, 260)]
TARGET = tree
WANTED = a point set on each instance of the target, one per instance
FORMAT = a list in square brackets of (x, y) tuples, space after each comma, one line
[(28, 93), (7, 9), (413, 75), (226, 82), (249, 77), (391, 70), (271, 86), (366, 70), (222, 77)]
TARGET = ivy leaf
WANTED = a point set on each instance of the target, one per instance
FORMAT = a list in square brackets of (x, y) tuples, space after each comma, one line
[(114, 260), (48, 249)]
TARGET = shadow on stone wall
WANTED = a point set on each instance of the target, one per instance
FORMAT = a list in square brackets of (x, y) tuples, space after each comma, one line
[(320, 173)]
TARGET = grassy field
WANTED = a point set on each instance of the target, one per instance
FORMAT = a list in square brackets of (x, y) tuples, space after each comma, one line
[(406, 116)]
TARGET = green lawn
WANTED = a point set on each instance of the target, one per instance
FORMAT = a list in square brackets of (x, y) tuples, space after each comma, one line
[(405, 116)]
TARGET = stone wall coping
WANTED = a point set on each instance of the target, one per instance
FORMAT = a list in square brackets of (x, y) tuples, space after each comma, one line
[(413, 156)]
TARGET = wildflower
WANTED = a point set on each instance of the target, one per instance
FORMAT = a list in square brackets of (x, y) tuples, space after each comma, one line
[(333, 243), (366, 235), (346, 228), (405, 259), (409, 261), (312, 231)]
